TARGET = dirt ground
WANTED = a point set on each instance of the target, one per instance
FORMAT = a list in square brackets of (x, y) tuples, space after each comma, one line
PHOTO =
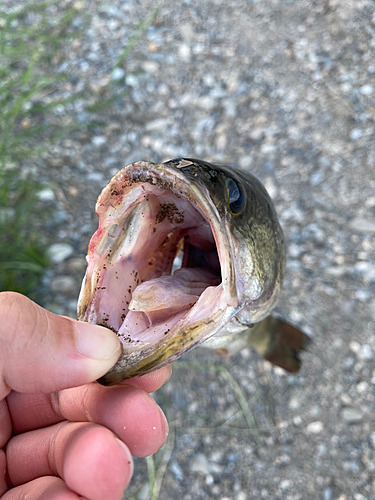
[(286, 90)]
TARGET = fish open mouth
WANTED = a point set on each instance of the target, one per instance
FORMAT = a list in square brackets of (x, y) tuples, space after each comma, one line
[(159, 267)]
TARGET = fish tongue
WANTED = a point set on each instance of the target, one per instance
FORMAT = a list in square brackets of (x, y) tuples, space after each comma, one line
[(171, 293), (158, 304)]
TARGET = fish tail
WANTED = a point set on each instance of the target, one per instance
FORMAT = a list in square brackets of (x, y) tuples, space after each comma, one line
[(279, 342)]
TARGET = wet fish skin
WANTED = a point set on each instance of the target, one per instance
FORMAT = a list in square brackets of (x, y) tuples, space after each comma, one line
[(252, 257)]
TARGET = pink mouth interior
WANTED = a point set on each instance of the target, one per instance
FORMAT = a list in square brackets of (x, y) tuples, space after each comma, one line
[(156, 262)]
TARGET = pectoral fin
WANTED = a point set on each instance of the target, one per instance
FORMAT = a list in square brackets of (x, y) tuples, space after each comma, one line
[(279, 342)]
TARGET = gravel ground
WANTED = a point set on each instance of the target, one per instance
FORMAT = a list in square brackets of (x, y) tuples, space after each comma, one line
[(286, 90)]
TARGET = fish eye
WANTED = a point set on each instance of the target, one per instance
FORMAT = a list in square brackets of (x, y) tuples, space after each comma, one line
[(236, 196)]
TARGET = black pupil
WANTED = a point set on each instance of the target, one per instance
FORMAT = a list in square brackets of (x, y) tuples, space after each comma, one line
[(235, 195)]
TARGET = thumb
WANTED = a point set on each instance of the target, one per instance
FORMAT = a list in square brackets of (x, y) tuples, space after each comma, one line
[(43, 352)]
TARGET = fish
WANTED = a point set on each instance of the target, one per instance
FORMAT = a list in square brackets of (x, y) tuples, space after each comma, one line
[(187, 253)]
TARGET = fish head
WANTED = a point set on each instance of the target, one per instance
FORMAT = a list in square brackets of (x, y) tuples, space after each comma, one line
[(182, 247)]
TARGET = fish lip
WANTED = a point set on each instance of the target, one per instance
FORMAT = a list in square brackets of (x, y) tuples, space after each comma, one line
[(131, 364)]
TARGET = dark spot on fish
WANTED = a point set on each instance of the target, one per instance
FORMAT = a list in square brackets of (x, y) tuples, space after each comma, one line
[(171, 212)]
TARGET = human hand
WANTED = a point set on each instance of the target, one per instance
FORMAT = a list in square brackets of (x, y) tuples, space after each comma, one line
[(63, 436)]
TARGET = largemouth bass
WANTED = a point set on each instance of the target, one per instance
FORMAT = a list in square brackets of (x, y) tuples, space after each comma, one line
[(186, 250)]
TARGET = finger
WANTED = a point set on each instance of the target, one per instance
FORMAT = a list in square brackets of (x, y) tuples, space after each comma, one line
[(43, 352), (130, 413), (151, 381), (89, 458), (5, 423), (33, 411), (43, 488), (3, 468)]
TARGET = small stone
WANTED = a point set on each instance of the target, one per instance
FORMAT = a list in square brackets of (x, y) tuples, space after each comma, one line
[(317, 178), (150, 66), (118, 74), (362, 387), (354, 346), (285, 484), (176, 470), (257, 134), (132, 81), (362, 225), (241, 495), (362, 295), (294, 403), (58, 252), (356, 134), (95, 177), (99, 140), (297, 420), (269, 184), (63, 284), (351, 415), (159, 124), (367, 90), (365, 353), (315, 427), (327, 493), (184, 52), (336, 271), (200, 464), (46, 195)]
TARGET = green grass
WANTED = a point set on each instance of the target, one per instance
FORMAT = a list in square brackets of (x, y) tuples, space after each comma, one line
[(32, 37), (29, 39)]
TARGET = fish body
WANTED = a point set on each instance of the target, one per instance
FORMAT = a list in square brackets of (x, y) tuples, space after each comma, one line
[(186, 250)]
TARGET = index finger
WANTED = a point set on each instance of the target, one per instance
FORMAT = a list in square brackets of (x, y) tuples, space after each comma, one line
[(34, 411)]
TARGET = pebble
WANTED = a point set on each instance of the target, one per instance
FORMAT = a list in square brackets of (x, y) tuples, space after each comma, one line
[(241, 495), (46, 195), (327, 493), (99, 140), (118, 74), (58, 252), (351, 415), (356, 134), (176, 470), (315, 427), (200, 464), (95, 177), (63, 284), (158, 125), (362, 225), (317, 178), (367, 90), (184, 52), (365, 353)]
